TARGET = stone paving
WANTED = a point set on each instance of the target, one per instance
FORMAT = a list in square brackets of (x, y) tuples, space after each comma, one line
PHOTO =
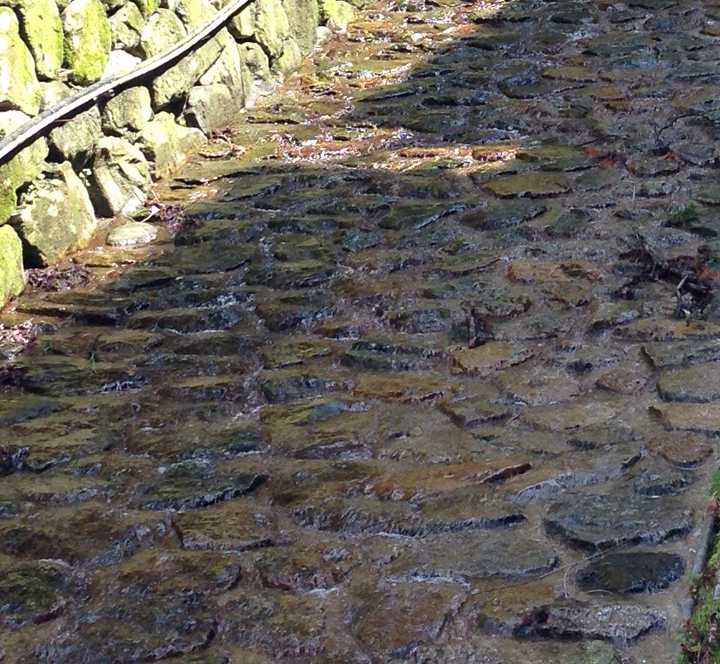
[(428, 373)]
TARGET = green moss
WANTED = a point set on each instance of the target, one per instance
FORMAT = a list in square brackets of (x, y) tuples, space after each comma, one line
[(682, 217), (147, 7), (88, 39), (41, 27), (19, 87), (12, 279)]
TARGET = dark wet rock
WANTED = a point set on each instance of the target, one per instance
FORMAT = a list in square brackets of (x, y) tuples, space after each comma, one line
[(294, 310), (621, 624), (194, 484), (698, 383), (238, 525), (631, 572), (386, 356), (12, 458), (34, 592), (294, 353), (658, 479), (292, 385), (300, 274), (569, 223), (17, 407), (471, 555), (64, 376), (557, 157), (407, 215), (148, 627), (108, 536), (421, 319), (501, 216), (601, 521), (190, 320), (205, 388)]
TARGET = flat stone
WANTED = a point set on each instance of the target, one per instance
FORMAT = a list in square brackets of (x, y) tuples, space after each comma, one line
[(530, 185), (193, 484), (700, 417), (631, 572), (131, 234), (471, 555), (476, 410), (577, 414), (699, 383), (681, 449), (488, 358), (502, 216), (603, 522)]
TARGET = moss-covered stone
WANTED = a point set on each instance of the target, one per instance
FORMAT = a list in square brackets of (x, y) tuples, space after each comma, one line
[(20, 169), (289, 60), (12, 278), (126, 25), (88, 39), (336, 14), (55, 216), (18, 82), (41, 27)]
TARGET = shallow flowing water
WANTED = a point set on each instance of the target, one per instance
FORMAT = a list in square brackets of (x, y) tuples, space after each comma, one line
[(395, 388)]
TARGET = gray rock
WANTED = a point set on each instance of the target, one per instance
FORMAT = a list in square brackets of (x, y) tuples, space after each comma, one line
[(55, 216), (120, 62), (19, 89), (228, 69), (167, 144), (210, 107), (643, 571), (128, 112), (74, 140), (602, 521), (131, 234), (120, 177), (264, 21), (194, 13), (256, 63), (126, 25)]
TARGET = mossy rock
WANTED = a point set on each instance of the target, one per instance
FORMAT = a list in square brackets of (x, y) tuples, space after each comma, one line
[(162, 30), (41, 28), (22, 168), (54, 217), (19, 88), (147, 7), (74, 141), (88, 40), (12, 277)]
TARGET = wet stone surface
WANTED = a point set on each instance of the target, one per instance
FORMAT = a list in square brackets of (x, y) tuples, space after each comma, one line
[(397, 383)]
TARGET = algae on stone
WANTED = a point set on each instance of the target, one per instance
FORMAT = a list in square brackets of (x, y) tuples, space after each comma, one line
[(88, 39), (12, 277), (19, 89), (55, 216), (41, 27)]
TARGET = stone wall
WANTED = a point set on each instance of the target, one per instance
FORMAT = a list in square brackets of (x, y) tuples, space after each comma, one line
[(102, 161)]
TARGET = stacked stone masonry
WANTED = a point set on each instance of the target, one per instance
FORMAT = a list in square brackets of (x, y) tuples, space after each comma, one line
[(103, 161)]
